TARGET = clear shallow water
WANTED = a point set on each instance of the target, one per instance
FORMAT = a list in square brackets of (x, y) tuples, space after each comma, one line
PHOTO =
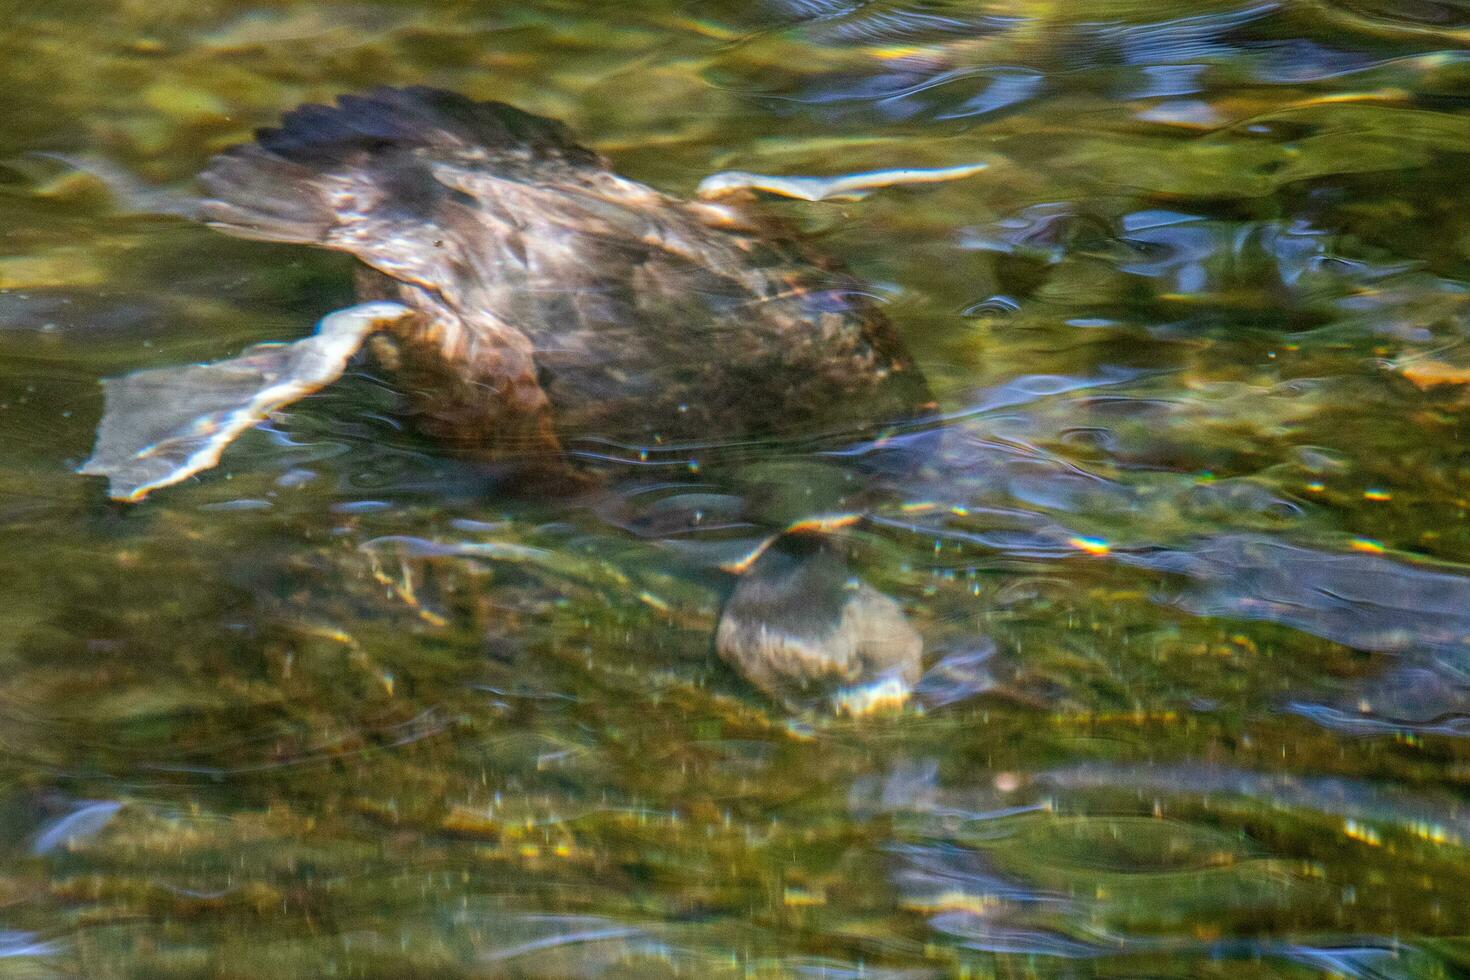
[(1189, 553)]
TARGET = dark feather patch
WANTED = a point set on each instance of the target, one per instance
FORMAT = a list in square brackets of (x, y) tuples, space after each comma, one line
[(408, 118), (384, 146)]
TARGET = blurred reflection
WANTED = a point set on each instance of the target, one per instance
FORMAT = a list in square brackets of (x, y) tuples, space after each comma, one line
[(85, 821), (19, 945)]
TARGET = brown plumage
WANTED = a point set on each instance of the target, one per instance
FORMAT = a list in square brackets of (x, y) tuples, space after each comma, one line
[(557, 301)]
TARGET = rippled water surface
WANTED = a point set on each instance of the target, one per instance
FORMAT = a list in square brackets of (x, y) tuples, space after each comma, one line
[(1187, 544)]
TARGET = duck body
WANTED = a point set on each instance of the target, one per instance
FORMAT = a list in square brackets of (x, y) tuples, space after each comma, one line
[(558, 305)]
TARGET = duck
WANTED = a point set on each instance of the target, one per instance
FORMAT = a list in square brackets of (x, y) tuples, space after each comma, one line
[(536, 306)]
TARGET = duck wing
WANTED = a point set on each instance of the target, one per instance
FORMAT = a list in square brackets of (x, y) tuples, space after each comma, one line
[(162, 426)]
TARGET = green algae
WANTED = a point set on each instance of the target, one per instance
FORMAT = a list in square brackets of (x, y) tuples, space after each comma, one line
[(337, 753)]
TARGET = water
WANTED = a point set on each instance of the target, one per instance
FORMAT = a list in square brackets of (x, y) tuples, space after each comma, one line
[(1189, 551)]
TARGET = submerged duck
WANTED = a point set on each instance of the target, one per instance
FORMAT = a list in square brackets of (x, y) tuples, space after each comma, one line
[(530, 301), (534, 298)]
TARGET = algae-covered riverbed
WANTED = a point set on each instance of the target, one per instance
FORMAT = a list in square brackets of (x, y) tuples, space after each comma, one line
[(1186, 540)]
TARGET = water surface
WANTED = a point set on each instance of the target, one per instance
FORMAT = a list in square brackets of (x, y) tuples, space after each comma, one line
[(1188, 546)]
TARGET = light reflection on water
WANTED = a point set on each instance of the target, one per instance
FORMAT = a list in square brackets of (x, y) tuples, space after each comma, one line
[(1186, 541)]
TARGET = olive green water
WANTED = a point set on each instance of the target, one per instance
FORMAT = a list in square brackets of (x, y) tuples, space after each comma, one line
[(1191, 558)]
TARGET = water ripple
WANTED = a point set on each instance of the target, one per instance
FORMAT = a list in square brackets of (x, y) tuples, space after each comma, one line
[(84, 822)]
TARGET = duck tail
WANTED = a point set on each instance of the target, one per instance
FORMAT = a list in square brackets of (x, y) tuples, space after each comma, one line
[(255, 195)]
